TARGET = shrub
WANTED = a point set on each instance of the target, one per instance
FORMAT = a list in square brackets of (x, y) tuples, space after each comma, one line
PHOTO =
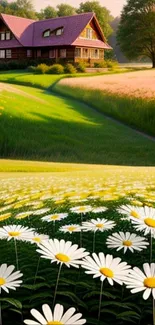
[(112, 64), (56, 69), (41, 69), (81, 67), (100, 64), (69, 68), (31, 68)]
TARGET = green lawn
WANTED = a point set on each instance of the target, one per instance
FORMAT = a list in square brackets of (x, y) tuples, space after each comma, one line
[(36, 125)]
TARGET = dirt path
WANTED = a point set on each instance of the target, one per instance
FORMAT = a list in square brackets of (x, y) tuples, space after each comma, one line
[(13, 89)]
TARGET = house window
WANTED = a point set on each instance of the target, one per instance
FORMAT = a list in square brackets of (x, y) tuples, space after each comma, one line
[(29, 53), (78, 52), (2, 37), (2, 54), (8, 36), (47, 33), (59, 31), (52, 54), (95, 53), (63, 53), (89, 33), (8, 54), (38, 53), (85, 53)]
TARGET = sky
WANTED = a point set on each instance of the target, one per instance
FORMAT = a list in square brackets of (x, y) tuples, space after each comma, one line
[(115, 6)]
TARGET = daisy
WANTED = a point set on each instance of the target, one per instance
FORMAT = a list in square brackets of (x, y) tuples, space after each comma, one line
[(16, 232), (5, 216), (62, 252), (99, 209), (55, 217), (38, 238), (139, 281), (70, 228), (41, 211), (147, 221), (126, 241), (23, 215), (130, 211), (98, 225), (83, 209), (106, 267), (57, 317), (8, 278)]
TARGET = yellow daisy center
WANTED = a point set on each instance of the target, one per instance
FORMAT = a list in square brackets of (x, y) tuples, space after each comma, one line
[(149, 282), (107, 272), (127, 243), (2, 281), (55, 322), (14, 233), (82, 209), (150, 222), (55, 217), (62, 258), (71, 228), (37, 239), (99, 225), (134, 214)]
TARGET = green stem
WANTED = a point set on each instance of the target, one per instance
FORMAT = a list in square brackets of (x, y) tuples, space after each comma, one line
[(94, 241), (56, 287), (37, 270), (100, 301), (16, 252), (153, 311), (150, 248)]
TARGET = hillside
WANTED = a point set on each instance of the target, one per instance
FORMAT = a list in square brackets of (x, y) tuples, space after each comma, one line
[(37, 125)]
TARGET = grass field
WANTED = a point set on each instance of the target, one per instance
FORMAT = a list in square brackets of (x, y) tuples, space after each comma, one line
[(36, 125), (127, 97)]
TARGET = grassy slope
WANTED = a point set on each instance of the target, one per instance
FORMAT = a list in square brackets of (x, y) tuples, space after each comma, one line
[(136, 112), (56, 129)]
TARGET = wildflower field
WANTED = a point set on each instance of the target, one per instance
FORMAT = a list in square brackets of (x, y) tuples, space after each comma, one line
[(80, 242)]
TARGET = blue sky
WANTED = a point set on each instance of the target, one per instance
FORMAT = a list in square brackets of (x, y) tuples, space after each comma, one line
[(115, 6)]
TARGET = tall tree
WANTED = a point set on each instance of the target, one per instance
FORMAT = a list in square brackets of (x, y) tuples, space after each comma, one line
[(103, 14), (48, 12), (65, 10), (136, 32)]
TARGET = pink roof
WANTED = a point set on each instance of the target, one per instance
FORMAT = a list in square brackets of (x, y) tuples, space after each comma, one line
[(29, 33)]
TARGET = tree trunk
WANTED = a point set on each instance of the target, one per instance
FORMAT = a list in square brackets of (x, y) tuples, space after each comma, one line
[(153, 60)]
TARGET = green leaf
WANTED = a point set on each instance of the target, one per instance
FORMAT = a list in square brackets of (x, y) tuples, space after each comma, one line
[(16, 303), (35, 286)]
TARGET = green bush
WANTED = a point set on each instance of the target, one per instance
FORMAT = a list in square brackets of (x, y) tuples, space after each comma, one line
[(41, 69), (31, 68), (69, 68), (100, 64), (55, 69), (81, 67), (111, 64)]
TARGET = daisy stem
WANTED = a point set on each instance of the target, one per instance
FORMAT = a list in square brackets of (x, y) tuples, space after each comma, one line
[(99, 310), (81, 238), (151, 248), (153, 311), (16, 254), (56, 287), (37, 270), (94, 242), (0, 311), (54, 228)]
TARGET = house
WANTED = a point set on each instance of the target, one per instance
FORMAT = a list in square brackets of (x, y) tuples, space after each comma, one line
[(70, 39)]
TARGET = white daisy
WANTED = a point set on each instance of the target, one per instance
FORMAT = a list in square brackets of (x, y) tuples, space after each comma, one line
[(62, 252), (126, 241), (17, 232), (70, 228), (8, 278), (139, 281), (99, 209), (23, 215), (83, 209), (98, 225), (57, 317), (55, 217), (106, 267), (38, 238), (146, 223), (41, 211), (130, 211)]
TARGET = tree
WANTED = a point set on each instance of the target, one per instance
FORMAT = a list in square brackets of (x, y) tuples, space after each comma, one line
[(65, 10), (136, 32), (48, 12), (103, 15)]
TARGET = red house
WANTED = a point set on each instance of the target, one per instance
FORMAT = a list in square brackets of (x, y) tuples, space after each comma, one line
[(71, 38)]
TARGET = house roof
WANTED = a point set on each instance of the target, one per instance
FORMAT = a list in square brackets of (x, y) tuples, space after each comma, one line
[(29, 32)]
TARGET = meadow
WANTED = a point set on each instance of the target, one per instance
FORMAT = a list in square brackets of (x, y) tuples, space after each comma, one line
[(26, 199)]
